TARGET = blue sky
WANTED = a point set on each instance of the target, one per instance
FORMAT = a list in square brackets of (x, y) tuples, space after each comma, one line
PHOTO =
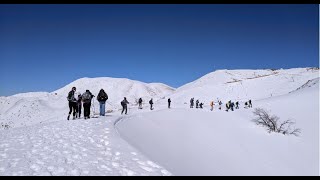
[(44, 47)]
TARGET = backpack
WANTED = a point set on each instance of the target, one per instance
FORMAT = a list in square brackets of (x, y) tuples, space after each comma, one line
[(123, 103), (86, 97)]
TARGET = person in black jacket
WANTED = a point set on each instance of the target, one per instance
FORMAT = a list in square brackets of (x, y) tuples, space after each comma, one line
[(140, 103), (237, 105), (72, 103), (151, 104), (197, 104), (250, 104), (124, 105), (191, 102), (102, 98), (86, 99), (79, 105), (169, 103), (201, 105)]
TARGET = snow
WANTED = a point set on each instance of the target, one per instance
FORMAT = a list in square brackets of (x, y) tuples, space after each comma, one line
[(77, 148), (200, 142), (36, 139)]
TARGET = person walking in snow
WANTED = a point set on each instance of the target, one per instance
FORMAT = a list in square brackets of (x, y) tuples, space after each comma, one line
[(140, 103), (232, 106), (124, 104), (151, 104), (79, 105), (237, 105), (102, 98), (211, 104), (72, 103), (227, 106), (197, 104), (220, 104), (169, 103), (250, 104), (191, 102), (201, 105), (86, 99)]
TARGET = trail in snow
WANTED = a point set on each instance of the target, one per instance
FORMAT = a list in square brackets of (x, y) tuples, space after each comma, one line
[(71, 148)]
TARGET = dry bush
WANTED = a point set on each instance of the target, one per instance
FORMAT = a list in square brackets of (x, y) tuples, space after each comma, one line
[(273, 124)]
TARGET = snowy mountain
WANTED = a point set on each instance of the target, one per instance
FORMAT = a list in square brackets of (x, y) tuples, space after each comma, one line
[(36, 138), (242, 85), (117, 88)]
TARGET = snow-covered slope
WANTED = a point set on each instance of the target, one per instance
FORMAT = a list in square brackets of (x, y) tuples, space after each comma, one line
[(181, 140), (38, 107), (308, 84), (200, 142), (242, 85)]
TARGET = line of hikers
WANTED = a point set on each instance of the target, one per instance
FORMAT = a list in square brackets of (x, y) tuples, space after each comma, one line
[(229, 105), (76, 100)]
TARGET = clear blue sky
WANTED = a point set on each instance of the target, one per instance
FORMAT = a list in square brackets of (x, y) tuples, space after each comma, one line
[(44, 47)]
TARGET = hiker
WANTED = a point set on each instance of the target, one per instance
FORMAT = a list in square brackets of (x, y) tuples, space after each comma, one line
[(220, 103), (79, 105), (197, 104), (232, 106), (246, 105), (227, 106), (72, 103), (169, 103), (151, 103), (237, 105), (191, 102), (124, 104), (140, 103), (201, 104), (250, 104), (86, 99), (102, 98), (211, 104)]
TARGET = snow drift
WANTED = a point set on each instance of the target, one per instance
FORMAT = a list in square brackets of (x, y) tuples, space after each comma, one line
[(200, 142)]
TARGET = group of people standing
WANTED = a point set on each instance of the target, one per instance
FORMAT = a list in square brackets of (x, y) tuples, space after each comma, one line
[(76, 100), (229, 105)]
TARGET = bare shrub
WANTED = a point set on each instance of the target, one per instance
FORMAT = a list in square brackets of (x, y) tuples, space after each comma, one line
[(273, 124)]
